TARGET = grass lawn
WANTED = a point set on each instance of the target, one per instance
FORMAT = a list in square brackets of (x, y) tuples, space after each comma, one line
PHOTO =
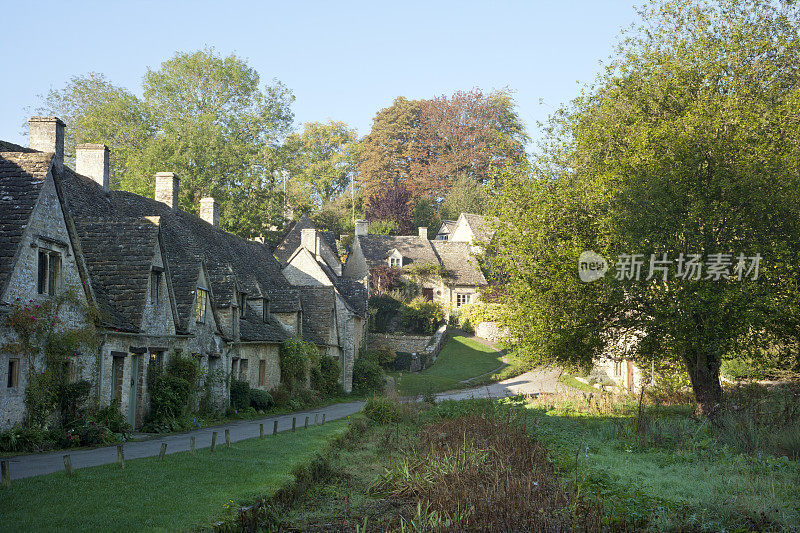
[(181, 493), (461, 358)]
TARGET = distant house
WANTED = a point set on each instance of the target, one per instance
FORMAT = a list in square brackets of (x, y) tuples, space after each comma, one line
[(445, 230), (447, 272)]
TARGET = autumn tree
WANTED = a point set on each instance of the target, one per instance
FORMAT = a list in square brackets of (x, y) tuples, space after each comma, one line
[(688, 145), (392, 204)]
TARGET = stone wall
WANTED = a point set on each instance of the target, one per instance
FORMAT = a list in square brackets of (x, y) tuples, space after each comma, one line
[(405, 343), (491, 331)]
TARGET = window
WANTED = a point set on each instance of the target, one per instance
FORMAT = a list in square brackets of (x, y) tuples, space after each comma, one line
[(155, 281), (13, 373), (117, 367), (262, 373), (49, 272), (462, 299), (242, 304), (265, 309), (617, 368), (201, 297), (243, 370), (395, 262), (235, 367)]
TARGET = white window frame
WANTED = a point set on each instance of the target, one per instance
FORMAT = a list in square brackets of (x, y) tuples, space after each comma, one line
[(463, 298)]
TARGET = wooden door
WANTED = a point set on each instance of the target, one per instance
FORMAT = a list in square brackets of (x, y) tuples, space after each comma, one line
[(133, 392), (427, 294), (630, 375)]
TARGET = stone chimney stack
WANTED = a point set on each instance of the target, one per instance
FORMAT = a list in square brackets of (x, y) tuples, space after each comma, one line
[(362, 227), (167, 188), (310, 240), (209, 210), (91, 160), (423, 233), (47, 135)]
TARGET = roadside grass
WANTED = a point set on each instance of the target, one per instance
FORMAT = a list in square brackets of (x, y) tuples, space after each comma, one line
[(461, 358), (180, 493), (570, 381), (665, 469)]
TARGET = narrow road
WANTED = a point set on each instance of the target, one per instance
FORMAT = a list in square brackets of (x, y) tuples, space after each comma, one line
[(23, 466), (539, 381)]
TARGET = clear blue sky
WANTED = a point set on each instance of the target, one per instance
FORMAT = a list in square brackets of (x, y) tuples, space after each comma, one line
[(343, 60)]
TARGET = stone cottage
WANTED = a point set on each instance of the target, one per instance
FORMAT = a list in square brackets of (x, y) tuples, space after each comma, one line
[(160, 279), (446, 271)]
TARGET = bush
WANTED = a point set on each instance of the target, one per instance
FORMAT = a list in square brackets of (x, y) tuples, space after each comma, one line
[(329, 370), (183, 366), (380, 352), (383, 309), (382, 410), (26, 439), (71, 398), (297, 358), (421, 316), (260, 400), (367, 376), (281, 395), (111, 417), (169, 397), (470, 315), (402, 362), (240, 394)]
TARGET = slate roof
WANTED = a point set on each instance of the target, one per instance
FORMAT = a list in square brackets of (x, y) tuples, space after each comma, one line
[(119, 254), (376, 249), (354, 294), (459, 262), (232, 263), (318, 306), (21, 178), (291, 241), (252, 328), (447, 227), (480, 229)]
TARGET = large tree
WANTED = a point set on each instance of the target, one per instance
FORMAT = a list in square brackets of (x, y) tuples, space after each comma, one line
[(202, 116), (689, 143)]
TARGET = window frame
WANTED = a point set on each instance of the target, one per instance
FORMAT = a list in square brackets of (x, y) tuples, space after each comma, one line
[(242, 301), (200, 305), (265, 310), (49, 268), (395, 262), (262, 373), (12, 380), (155, 286), (465, 296)]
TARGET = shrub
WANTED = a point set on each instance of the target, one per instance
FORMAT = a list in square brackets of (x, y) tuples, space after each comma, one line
[(367, 376), (297, 358), (380, 352), (329, 370), (26, 439), (183, 366), (260, 400), (402, 362), (383, 310), (169, 396), (281, 395), (111, 417), (70, 398), (382, 410), (422, 316), (240, 394), (470, 315)]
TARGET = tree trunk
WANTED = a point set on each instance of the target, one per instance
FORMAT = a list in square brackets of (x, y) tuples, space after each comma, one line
[(703, 368)]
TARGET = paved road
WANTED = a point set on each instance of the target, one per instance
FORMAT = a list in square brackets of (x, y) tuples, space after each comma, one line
[(23, 466), (538, 381)]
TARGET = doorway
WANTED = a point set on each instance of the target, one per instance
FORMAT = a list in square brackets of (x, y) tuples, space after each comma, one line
[(133, 392)]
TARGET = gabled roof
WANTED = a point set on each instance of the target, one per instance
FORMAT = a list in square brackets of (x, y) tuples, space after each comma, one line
[(481, 231), (354, 294), (459, 262), (318, 312), (119, 255), (21, 178), (376, 249), (291, 241), (252, 328), (447, 227)]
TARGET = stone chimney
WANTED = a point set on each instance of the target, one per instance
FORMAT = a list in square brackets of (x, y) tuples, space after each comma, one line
[(423, 233), (91, 160), (167, 188), (209, 210), (362, 227), (47, 135), (310, 240)]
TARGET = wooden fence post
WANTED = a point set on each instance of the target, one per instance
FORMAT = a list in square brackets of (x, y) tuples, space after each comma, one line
[(261, 431), (163, 451), (275, 428), (5, 474), (316, 419), (68, 465), (294, 423), (213, 441), (120, 456), (323, 419), (191, 445), (306, 424), (227, 437)]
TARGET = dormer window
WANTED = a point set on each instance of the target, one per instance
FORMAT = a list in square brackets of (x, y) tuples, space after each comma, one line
[(242, 304), (265, 309), (155, 285), (395, 259), (49, 275), (201, 299)]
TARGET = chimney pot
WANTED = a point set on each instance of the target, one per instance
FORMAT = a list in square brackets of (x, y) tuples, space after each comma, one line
[(423, 233), (209, 210), (167, 188), (47, 135), (91, 160), (362, 227)]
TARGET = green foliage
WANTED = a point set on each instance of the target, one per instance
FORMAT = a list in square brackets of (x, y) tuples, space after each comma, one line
[(383, 227), (424, 215), (240, 394), (380, 352), (201, 115), (382, 410), (401, 362), (383, 309), (260, 400), (111, 417), (470, 315), (368, 376), (466, 195), (71, 400), (329, 370), (169, 397), (183, 366), (685, 144), (298, 357), (421, 315)]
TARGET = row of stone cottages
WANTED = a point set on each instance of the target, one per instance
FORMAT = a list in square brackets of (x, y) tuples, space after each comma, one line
[(160, 279)]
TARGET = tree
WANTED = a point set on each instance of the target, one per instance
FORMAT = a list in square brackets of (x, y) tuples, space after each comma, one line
[(687, 144), (321, 161), (202, 116), (466, 195), (393, 204)]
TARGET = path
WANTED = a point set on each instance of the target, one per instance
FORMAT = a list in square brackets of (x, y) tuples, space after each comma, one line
[(540, 381), (23, 466)]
